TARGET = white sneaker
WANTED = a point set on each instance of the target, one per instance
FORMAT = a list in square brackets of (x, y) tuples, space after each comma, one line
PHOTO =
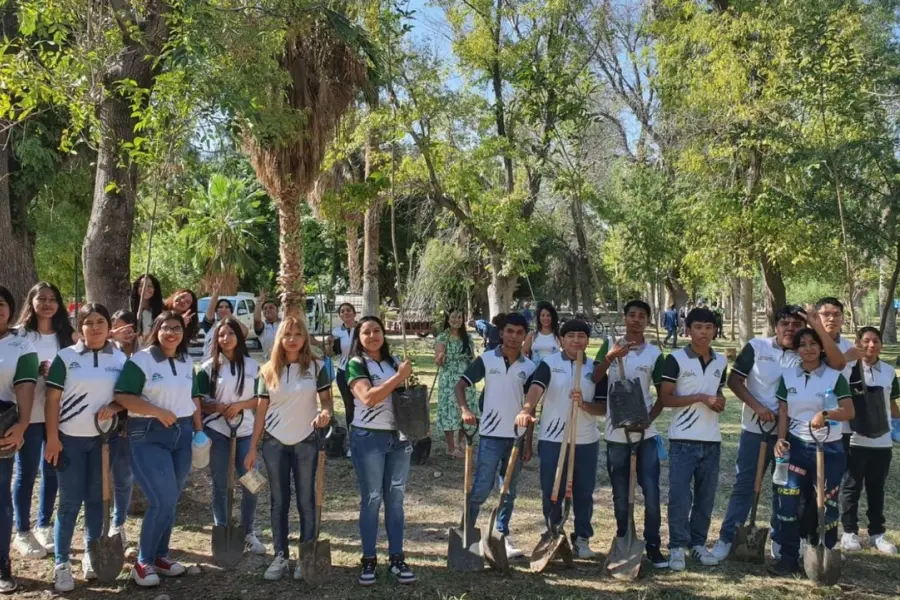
[(28, 546), (850, 542), (277, 569), (253, 545), (511, 550), (298, 571), (44, 536), (348, 452), (581, 549), (62, 578), (676, 559), (884, 545), (701, 554), (121, 532), (86, 569), (721, 550), (776, 550)]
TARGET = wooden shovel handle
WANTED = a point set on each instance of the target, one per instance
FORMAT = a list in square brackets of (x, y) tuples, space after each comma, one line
[(561, 461), (632, 479), (104, 461), (760, 466), (510, 469), (320, 479), (467, 479), (820, 481)]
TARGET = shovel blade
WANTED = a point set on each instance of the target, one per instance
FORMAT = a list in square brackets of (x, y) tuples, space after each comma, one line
[(227, 547), (107, 557), (822, 566), (551, 545), (315, 560), (625, 556), (750, 544), (461, 557), (495, 546)]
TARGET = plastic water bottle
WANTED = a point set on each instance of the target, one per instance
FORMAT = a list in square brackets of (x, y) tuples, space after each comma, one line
[(661, 448), (200, 449), (830, 404), (895, 430), (780, 476)]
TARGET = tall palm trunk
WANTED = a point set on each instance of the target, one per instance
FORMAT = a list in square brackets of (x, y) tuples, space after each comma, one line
[(354, 267)]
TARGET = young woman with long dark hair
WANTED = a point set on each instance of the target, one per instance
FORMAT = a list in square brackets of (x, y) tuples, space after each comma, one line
[(184, 302), (44, 320), (544, 340), (339, 343), (147, 307), (453, 351)]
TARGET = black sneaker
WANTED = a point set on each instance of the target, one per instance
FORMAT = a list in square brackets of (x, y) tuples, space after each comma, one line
[(7, 582), (367, 572), (656, 557), (401, 570), (784, 568)]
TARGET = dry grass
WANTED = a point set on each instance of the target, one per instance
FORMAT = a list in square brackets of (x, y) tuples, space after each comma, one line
[(434, 500)]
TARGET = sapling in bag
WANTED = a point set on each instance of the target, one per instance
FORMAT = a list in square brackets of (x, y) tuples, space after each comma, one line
[(625, 405)]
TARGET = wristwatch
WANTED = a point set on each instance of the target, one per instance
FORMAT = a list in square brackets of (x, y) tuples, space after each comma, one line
[(825, 414)]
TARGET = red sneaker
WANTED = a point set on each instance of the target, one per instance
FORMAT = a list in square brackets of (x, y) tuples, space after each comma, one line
[(169, 568), (144, 575)]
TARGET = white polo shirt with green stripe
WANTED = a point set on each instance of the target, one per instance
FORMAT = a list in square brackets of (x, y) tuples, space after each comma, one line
[(761, 363), (805, 396), (691, 375), (294, 405), (881, 375), (18, 364), (504, 390), (87, 379), (644, 363), (167, 383), (227, 392), (380, 416)]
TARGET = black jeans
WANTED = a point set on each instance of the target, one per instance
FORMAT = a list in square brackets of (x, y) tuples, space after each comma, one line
[(866, 467), (346, 395)]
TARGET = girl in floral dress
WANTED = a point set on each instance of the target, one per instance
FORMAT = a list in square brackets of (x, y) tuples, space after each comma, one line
[(453, 352)]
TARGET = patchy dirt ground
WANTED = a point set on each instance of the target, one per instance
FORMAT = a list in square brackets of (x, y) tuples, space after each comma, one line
[(434, 502)]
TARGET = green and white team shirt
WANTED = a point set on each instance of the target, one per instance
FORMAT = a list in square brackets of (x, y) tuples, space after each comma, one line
[(504, 390), (87, 379), (805, 396), (644, 363), (556, 375), (380, 416), (761, 363), (167, 383), (691, 375), (294, 405), (46, 345), (18, 364), (881, 375), (266, 337), (344, 337), (227, 392), (844, 345)]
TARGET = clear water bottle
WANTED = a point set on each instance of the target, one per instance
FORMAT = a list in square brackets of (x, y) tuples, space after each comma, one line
[(830, 404), (780, 476)]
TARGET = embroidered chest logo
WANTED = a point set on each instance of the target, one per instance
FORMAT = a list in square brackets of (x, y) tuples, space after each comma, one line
[(558, 370), (792, 390), (113, 369), (765, 358), (718, 373), (494, 372), (521, 375), (642, 368), (74, 365), (156, 377), (688, 373)]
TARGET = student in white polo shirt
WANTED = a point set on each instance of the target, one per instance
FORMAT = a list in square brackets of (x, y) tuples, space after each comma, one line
[(265, 323), (692, 382), (554, 379), (227, 384), (158, 388), (339, 343), (869, 459), (644, 362), (79, 387), (294, 399), (831, 312), (802, 392), (18, 376), (505, 372)]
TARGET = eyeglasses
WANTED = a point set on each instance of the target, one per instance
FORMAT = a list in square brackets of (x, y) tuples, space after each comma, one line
[(831, 315), (169, 329)]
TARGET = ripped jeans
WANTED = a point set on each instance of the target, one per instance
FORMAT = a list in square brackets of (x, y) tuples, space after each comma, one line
[(381, 461)]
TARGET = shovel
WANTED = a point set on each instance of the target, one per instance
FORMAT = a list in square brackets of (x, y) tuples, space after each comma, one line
[(495, 548), (228, 539), (750, 540), (822, 565), (107, 552), (463, 553), (315, 556), (554, 541), (625, 554)]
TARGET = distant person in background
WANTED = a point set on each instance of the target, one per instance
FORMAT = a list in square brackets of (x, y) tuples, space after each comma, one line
[(528, 313), (339, 343), (265, 323), (454, 349), (184, 302), (123, 336), (147, 307), (490, 331), (682, 318), (544, 340), (670, 322), (720, 320), (217, 311)]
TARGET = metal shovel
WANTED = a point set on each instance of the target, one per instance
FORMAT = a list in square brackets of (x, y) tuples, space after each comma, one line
[(463, 553), (750, 540), (626, 553), (228, 539), (822, 565), (495, 548), (315, 556), (107, 552)]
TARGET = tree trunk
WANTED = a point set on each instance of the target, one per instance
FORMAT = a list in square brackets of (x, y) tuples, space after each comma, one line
[(887, 287), (651, 300), (675, 293), (371, 244), (354, 267), (745, 310), (576, 207), (502, 287), (290, 252), (17, 270), (735, 287), (773, 284)]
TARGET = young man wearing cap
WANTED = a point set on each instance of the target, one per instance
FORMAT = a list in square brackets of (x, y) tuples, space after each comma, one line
[(505, 372), (644, 362), (554, 379), (692, 382)]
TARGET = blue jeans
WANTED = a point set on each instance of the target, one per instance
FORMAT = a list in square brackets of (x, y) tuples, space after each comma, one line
[(584, 480), (123, 481), (797, 499), (690, 510), (741, 500), (283, 463), (6, 506), (381, 461), (618, 465), (493, 457), (161, 461), (80, 482), (29, 459)]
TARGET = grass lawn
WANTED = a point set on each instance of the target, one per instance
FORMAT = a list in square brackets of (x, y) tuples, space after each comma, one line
[(434, 503)]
